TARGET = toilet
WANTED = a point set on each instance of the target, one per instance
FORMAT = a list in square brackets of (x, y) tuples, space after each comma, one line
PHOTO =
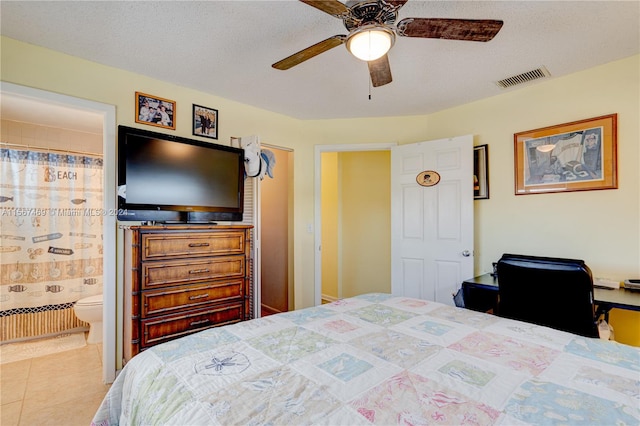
[(89, 309)]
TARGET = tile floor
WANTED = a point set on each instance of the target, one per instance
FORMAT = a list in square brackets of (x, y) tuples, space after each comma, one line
[(60, 389)]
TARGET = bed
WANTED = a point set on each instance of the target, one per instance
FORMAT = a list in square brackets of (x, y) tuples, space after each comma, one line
[(378, 359)]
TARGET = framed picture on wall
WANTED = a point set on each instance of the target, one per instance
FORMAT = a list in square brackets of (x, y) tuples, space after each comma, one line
[(481, 172), (155, 111), (205, 122), (576, 156)]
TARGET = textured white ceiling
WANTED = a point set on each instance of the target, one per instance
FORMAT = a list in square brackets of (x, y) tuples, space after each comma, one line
[(226, 48)]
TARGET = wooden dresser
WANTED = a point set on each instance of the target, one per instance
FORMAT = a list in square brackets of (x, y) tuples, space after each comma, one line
[(180, 279)]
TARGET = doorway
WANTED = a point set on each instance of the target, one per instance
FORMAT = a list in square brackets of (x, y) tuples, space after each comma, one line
[(453, 157), (276, 242), (356, 222), (343, 286), (107, 114)]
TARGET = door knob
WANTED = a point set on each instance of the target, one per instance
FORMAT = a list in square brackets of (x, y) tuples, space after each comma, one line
[(466, 253)]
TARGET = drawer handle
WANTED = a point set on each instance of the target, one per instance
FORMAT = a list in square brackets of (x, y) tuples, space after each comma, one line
[(198, 271), (200, 296), (198, 244), (204, 321)]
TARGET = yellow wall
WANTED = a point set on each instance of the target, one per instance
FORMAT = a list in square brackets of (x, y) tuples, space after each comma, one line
[(330, 225), (366, 222), (601, 227), (356, 222)]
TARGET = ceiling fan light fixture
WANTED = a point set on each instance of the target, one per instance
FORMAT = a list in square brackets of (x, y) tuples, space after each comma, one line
[(369, 43)]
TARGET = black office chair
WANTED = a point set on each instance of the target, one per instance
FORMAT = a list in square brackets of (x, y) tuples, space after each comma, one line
[(553, 292)]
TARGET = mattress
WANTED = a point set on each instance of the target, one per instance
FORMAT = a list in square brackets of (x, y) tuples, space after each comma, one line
[(378, 359)]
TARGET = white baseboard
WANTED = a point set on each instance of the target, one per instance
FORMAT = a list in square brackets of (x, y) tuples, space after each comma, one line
[(329, 299)]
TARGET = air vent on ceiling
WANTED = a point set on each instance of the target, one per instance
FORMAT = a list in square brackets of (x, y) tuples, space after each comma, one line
[(525, 77)]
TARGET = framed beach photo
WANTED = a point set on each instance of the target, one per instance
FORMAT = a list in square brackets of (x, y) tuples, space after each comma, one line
[(481, 172), (155, 111), (205, 122), (576, 156)]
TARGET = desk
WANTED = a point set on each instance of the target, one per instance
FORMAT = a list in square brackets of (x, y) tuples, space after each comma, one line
[(481, 294)]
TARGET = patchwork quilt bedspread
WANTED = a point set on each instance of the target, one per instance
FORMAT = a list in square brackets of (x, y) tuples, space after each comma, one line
[(378, 359)]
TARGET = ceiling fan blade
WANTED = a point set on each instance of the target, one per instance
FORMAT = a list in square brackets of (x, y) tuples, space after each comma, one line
[(380, 71), (332, 7), (309, 52), (451, 29), (391, 5)]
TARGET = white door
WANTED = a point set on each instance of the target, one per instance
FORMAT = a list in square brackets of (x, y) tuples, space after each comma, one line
[(432, 226)]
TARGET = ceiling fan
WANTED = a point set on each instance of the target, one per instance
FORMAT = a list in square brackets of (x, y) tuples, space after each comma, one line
[(372, 33)]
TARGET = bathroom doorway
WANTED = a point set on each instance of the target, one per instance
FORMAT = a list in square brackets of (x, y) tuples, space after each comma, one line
[(55, 124)]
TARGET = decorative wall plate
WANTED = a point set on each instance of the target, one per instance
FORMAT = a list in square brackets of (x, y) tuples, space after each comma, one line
[(428, 178)]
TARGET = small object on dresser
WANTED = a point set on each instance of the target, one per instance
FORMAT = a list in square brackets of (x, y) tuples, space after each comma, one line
[(632, 284)]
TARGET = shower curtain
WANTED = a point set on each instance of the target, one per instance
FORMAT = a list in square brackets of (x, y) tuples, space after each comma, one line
[(50, 239)]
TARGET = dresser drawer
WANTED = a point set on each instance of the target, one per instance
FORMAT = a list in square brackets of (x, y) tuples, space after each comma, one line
[(167, 245), (182, 298), (161, 274), (162, 329)]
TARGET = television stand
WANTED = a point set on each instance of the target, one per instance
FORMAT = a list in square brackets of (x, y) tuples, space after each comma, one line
[(183, 279)]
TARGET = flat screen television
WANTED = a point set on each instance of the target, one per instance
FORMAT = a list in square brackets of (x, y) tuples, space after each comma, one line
[(165, 178)]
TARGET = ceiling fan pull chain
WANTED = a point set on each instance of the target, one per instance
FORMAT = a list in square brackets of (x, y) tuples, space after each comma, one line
[(369, 80)]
